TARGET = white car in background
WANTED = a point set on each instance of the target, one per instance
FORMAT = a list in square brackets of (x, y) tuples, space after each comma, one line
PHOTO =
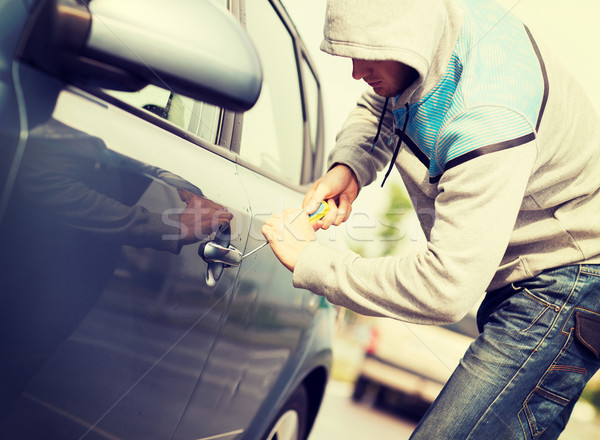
[(406, 365)]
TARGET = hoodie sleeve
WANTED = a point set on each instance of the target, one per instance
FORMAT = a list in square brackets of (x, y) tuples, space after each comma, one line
[(355, 139), (440, 284)]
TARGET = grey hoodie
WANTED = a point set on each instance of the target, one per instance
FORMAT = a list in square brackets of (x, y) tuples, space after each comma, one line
[(500, 158)]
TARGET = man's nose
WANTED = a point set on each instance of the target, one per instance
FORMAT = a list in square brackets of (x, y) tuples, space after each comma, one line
[(359, 69)]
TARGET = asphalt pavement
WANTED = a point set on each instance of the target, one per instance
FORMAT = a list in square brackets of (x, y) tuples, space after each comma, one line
[(342, 419)]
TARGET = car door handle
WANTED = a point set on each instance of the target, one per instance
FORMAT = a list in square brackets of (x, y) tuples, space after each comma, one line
[(213, 252)]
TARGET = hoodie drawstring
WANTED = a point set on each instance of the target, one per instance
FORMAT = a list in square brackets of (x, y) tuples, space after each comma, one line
[(380, 124), (401, 134)]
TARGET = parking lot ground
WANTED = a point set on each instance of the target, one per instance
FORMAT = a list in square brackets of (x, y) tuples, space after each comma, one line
[(342, 419)]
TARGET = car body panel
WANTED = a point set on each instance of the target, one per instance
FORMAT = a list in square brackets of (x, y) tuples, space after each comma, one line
[(143, 291), (266, 323), (114, 327), (12, 20)]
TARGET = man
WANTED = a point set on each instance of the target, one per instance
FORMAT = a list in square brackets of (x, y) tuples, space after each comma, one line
[(499, 150)]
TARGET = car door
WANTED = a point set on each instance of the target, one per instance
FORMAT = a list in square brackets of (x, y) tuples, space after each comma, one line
[(274, 338), (110, 307)]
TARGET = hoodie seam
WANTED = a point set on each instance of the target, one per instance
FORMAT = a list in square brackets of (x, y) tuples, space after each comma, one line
[(571, 237)]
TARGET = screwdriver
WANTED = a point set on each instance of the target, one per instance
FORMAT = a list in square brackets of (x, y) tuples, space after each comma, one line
[(321, 211)]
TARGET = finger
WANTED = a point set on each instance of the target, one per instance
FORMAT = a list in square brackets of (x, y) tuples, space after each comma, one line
[(183, 195), (267, 232), (272, 233), (331, 215), (344, 209), (309, 196), (224, 215), (274, 220), (313, 199), (312, 205)]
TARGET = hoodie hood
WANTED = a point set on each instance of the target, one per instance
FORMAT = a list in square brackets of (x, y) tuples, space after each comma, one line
[(419, 33)]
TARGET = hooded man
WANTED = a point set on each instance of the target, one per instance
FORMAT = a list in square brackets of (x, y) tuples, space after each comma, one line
[(498, 148)]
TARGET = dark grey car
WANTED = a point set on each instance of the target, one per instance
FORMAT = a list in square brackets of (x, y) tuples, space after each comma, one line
[(132, 182)]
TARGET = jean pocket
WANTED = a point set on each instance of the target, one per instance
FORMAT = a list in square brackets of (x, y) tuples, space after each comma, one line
[(524, 310), (587, 330)]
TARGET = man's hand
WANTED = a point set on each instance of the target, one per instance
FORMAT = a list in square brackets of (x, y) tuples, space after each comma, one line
[(289, 233), (339, 188), (200, 218)]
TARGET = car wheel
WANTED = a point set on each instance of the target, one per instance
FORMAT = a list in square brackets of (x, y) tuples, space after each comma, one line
[(360, 386), (290, 423)]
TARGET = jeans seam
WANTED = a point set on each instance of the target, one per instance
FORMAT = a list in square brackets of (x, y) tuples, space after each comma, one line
[(514, 376), (589, 271), (554, 324), (537, 318), (560, 354), (542, 301), (552, 327), (573, 311), (528, 413), (558, 399), (569, 369), (521, 422), (538, 386), (530, 421), (563, 328)]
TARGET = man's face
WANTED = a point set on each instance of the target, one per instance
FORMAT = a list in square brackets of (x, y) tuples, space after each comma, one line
[(388, 78)]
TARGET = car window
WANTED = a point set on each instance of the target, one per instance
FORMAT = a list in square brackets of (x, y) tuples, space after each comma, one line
[(197, 117), (272, 133)]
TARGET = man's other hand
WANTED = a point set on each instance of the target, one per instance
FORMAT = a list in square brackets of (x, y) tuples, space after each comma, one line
[(339, 188), (289, 233)]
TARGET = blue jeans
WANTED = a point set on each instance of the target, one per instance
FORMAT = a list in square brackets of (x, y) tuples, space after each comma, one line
[(538, 347)]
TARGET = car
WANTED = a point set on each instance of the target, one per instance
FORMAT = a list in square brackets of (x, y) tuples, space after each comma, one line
[(405, 366), (143, 144)]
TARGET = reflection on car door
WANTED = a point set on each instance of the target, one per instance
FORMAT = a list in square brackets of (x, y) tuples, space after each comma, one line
[(268, 328), (113, 304)]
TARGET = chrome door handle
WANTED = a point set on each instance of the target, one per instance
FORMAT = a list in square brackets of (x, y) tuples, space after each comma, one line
[(213, 252)]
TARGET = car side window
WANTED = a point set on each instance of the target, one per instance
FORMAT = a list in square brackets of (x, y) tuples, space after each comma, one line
[(199, 118), (273, 130)]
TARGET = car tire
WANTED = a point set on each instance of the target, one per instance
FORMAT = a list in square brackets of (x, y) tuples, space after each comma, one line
[(292, 419), (360, 386)]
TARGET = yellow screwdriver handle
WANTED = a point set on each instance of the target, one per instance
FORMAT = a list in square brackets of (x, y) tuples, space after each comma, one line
[(319, 213)]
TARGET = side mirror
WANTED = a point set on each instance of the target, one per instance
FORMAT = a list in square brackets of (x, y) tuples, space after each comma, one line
[(191, 47)]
